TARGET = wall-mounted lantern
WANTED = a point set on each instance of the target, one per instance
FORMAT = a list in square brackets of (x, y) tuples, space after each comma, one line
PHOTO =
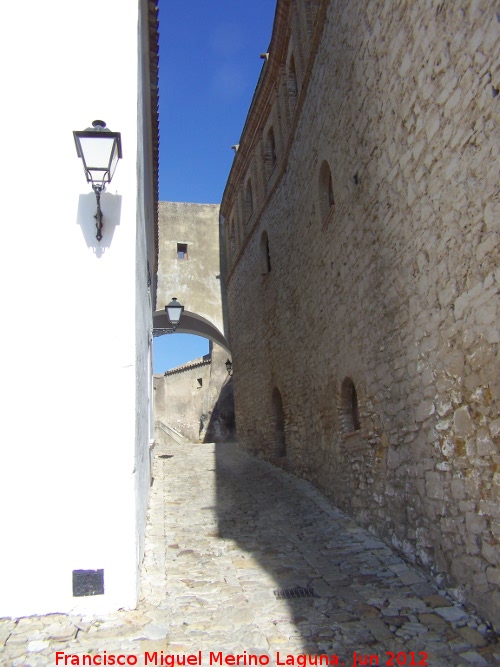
[(229, 367), (100, 150), (174, 312)]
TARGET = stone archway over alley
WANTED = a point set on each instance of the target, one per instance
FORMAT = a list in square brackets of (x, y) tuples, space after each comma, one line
[(225, 532)]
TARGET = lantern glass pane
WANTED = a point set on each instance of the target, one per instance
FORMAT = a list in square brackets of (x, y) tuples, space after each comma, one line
[(97, 151), (174, 314), (114, 160)]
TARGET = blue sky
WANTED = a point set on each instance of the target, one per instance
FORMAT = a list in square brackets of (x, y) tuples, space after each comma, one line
[(209, 67)]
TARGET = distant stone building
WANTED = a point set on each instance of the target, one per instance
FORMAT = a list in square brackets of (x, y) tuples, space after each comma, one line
[(362, 223), (196, 398), (191, 268)]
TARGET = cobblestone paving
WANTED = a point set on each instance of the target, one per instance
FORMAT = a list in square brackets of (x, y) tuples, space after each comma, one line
[(225, 532)]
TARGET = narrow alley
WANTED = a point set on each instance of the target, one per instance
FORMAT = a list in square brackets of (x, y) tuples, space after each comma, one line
[(245, 559)]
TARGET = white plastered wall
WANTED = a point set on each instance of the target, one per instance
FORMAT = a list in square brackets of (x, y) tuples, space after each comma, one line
[(68, 356)]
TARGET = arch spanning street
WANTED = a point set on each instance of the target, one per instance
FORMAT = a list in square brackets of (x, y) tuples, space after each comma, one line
[(191, 323), (191, 268)]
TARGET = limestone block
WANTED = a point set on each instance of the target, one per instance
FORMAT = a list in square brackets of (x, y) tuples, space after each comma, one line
[(493, 575), (472, 546), (495, 487), (466, 506), (432, 125), (450, 524), (424, 410), (476, 39), (484, 445), (489, 244), (495, 428), (480, 583), (492, 215), (37, 646), (428, 343), (471, 381), (457, 489), (475, 523), (434, 485), (448, 448), (492, 334), (454, 363), (491, 552), (444, 406), (467, 299), (443, 424), (464, 426), (453, 101), (489, 508), (448, 294), (487, 315), (451, 614), (472, 636)]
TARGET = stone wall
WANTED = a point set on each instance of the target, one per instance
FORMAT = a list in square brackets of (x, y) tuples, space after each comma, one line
[(196, 399), (190, 267), (363, 273)]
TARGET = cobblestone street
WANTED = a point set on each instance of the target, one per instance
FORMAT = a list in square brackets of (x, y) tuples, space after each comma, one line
[(225, 533)]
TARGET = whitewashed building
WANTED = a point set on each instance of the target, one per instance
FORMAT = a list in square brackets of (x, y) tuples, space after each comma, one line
[(76, 374)]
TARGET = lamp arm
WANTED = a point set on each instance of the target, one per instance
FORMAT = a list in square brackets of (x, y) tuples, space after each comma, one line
[(98, 189)]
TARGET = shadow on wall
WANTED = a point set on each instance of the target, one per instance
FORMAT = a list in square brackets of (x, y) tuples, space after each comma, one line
[(220, 425), (111, 209)]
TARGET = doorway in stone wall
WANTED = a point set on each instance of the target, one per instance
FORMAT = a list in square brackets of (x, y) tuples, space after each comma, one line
[(279, 425)]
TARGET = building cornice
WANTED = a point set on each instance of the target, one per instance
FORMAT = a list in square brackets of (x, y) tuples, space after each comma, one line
[(188, 367), (262, 100), (260, 109), (154, 64)]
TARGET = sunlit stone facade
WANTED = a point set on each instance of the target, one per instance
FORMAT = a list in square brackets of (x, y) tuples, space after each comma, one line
[(362, 220)]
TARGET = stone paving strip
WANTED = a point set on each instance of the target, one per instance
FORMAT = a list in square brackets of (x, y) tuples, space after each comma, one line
[(243, 559)]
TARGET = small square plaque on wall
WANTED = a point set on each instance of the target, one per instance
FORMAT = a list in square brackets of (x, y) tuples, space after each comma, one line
[(88, 582)]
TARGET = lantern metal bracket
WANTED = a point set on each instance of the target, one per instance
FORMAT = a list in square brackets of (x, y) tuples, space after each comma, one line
[(98, 188), (160, 332)]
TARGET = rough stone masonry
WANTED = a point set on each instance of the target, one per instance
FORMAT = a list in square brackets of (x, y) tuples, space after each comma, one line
[(362, 221)]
